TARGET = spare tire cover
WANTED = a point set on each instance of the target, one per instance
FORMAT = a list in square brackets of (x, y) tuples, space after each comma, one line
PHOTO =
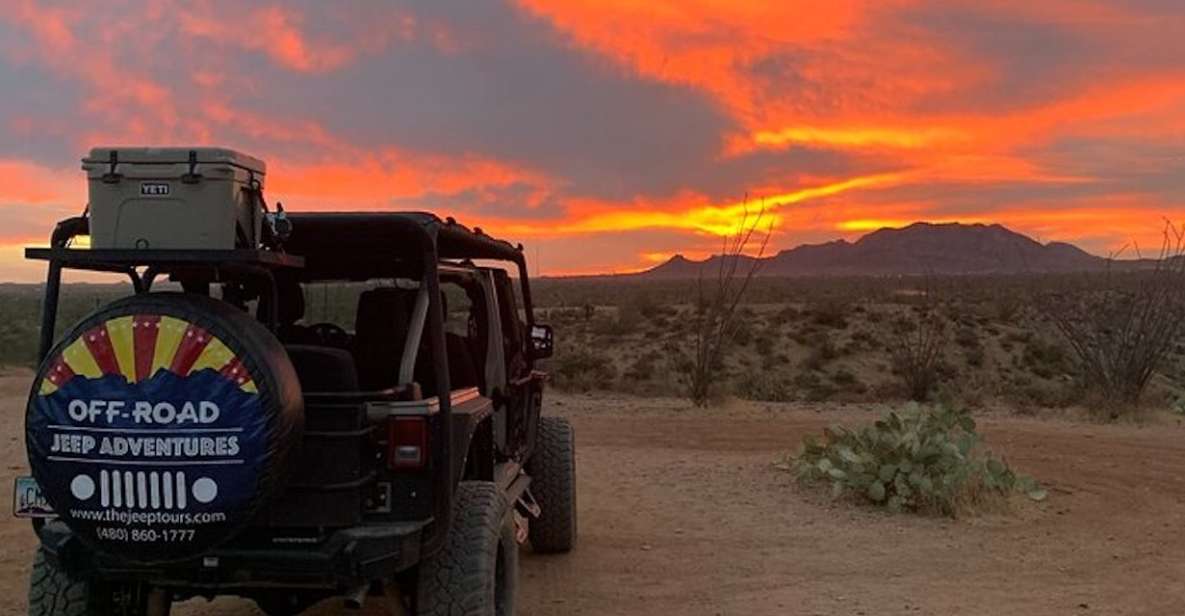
[(160, 425)]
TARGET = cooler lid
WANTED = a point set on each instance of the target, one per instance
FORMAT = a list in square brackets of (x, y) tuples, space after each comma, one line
[(175, 155)]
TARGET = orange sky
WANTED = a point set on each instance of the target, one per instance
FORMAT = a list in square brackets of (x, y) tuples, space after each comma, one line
[(610, 134)]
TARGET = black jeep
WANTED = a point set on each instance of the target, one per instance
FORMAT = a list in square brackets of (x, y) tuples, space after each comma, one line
[(353, 411)]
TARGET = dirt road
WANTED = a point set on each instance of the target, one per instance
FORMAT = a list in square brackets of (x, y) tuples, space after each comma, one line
[(682, 513)]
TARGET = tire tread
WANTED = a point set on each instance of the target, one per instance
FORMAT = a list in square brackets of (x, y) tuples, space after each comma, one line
[(52, 592), (553, 474), (453, 582)]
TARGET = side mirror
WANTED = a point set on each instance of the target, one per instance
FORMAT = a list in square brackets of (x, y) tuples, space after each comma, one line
[(542, 341)]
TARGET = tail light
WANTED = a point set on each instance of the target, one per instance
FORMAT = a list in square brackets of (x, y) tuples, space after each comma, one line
[(407, 443)]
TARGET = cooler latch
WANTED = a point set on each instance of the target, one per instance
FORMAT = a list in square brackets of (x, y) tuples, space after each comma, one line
[(112, 177), (192, 176)]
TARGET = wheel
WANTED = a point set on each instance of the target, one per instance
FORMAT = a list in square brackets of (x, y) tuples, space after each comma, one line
[(161, 425), (476, 572), (282, 604), (553, 484), (53, 591)]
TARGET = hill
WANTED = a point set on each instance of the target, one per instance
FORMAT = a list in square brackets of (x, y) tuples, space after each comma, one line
[(950, 248)]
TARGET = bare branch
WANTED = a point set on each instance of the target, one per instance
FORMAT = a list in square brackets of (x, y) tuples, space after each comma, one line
[(716, 308)]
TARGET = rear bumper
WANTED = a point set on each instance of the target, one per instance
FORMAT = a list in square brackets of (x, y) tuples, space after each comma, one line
[(343, 559)]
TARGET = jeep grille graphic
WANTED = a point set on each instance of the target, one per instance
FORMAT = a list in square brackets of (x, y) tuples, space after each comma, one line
[(143, 490)]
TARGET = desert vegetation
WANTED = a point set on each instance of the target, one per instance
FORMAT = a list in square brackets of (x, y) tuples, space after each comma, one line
[(920, 459), (716, 324), (1122, 329), (1021, 343), (20, 315), (976, 341)]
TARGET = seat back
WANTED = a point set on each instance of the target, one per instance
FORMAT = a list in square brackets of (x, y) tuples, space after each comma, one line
[(380, 331), (289, 311), (323, 369)]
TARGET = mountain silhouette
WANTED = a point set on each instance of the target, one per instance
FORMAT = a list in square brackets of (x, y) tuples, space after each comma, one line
[(920, 248)]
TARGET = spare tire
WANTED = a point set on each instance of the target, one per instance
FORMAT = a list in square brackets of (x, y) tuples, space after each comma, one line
[(161, 424)]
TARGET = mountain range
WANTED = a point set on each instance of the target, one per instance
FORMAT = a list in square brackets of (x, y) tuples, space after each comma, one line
[(920, 248)]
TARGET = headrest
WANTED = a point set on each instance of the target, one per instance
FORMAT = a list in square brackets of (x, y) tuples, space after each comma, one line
[(291, 308), (383, 308)]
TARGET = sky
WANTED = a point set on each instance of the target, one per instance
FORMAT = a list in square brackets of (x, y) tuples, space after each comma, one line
[(608, 135)]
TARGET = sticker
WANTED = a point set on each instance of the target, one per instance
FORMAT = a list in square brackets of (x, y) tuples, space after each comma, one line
[(28, 501), (154, 189), (148, 430)]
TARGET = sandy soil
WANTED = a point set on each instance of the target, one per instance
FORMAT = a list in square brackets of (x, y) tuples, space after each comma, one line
[(681, 512)]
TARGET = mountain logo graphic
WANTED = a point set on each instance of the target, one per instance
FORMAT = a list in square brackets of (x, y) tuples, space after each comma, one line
[(137, 347)]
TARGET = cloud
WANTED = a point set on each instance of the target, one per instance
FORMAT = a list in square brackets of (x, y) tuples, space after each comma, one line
[(639, 127), (28, 183)]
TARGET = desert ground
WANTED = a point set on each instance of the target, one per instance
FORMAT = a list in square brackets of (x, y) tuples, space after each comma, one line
[(683, 512)]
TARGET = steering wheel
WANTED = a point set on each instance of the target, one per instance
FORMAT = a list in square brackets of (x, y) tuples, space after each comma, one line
[(330, 334)]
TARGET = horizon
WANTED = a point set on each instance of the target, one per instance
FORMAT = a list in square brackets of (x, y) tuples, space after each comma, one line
[(94, 278), (610, 138)]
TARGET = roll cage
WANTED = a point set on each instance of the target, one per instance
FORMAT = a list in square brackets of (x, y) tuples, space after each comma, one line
[(322, 246)]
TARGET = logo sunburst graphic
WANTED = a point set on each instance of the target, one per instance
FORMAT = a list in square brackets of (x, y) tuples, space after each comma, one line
[(137, 347)]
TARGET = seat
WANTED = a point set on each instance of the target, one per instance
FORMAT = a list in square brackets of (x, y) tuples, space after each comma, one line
[(323, 369), (462, 369), (380, 331), (289, 311)]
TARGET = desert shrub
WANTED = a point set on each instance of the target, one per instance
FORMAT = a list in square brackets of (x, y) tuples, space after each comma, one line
[(923, 459), (604, 324), (822, 352), (804, 334), (763, 343), (626, 319), (1122, 327), (1007, 306), (583, 369), (1029, 394), (715, 319), (644, 367), (775, 359), (847, 379), (1045, 359), (968, 340), (972, 391), (787, 314), (831, 312), (863, 338), (763, 385), (847, 386), (975, 356), (742, 333), (916, 350), (1018, 336), (678, 357), (966, 337), (630, 315), (812, 386)]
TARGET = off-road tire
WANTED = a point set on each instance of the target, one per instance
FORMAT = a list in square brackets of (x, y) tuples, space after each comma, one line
[(553, 484), (265, 424), (54, 592), (476, 572), (281, 605)]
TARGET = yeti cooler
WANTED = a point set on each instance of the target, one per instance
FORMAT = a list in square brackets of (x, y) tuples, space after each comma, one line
[(174, 198)]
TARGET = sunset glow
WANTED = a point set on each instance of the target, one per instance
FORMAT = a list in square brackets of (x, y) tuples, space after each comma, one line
[(613, 134)]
